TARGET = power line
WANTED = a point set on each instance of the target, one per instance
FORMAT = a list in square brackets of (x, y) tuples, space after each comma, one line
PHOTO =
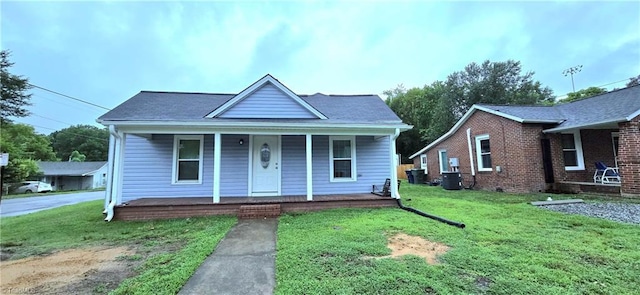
[(616, 82), (70, 104), (51, 119), (70, 97)]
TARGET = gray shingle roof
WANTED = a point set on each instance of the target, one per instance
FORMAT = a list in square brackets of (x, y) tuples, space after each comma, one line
[(614, 106), (528, 113), (69, 168), (193, 107), (607, 108)]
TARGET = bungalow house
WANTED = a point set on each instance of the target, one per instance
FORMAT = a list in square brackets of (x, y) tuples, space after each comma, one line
[(74, 175), (543, 148), (174, 154)]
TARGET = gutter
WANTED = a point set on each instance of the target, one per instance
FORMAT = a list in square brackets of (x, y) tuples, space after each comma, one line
[(560, 129), (110, 192), (258, 124)]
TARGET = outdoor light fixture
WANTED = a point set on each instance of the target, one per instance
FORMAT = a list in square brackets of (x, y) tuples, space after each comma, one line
[(241, 142)]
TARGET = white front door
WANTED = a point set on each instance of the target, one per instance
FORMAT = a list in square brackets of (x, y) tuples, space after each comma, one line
[(265, 171)]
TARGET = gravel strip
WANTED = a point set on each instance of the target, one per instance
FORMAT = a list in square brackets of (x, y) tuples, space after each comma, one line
[(621, 212)]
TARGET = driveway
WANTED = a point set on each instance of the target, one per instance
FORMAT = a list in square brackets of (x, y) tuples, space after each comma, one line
[(14, 207)]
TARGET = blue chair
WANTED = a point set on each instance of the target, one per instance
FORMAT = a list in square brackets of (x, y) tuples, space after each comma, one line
[(605, 174)]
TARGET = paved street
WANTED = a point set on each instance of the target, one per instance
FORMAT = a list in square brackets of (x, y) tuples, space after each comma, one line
[(14, 207)]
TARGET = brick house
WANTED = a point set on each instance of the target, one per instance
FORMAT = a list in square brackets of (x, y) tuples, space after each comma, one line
[(543, 148)]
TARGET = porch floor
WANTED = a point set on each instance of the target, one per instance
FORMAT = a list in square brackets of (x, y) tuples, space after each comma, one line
[(165, 208)]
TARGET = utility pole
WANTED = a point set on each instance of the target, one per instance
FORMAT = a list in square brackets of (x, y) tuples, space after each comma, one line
[(571, 71)]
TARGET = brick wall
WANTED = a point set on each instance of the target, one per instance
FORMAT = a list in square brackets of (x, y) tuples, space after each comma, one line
[(514, 147), (629, 157)]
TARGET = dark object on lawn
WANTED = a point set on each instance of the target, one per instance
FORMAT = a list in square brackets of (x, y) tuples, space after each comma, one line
[(385, 190), (435, 182), (438, 218)]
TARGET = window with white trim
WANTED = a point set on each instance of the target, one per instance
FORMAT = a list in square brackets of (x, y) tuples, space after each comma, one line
[(572, 151), (483, 153), (342, 154), (423, 162), (187, 159), (443, 160)]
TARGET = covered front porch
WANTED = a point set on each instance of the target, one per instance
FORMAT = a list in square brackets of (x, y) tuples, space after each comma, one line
[(586, 151), (155, 174), (244, 207)]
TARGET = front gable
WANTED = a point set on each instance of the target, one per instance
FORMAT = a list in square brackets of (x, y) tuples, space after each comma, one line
[(266, 99)]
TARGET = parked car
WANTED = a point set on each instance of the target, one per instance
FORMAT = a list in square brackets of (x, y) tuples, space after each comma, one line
[(33, 187)]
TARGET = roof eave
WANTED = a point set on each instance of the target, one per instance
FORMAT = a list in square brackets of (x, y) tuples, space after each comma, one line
[(584, 126), (176, 127)]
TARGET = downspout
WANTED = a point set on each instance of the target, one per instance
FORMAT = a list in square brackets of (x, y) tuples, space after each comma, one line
[(394, 187), (112, 203), (394, 175), (473, 170), (107, 196)]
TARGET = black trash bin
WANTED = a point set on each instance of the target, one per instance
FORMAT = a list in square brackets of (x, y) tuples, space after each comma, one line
[(451, 180), (409, 175), (418, 175)]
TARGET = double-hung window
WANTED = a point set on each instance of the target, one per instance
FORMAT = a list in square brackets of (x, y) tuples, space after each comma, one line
[(187, 159), (483, 152), (572, 151), (342, 154)]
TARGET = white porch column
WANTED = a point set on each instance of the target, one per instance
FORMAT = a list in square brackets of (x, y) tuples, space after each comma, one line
[(309, 168), (120, 162), (393, 164), (217, 145)]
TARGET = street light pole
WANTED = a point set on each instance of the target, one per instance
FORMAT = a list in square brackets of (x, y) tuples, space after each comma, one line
[(571, 71)]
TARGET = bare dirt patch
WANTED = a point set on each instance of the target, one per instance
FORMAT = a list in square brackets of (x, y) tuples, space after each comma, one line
[(403, 244), (75, 271)]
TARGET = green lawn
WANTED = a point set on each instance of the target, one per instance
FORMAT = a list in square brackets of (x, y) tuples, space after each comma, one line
[(508, 247), (175, 247)]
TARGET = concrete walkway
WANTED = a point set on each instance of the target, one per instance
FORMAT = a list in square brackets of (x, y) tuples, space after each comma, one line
[(242, 263)]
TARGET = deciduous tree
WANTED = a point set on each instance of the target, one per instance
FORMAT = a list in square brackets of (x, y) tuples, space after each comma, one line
[(91, 141), (14, 98), (435, 108), (582, 94), (25, 147)]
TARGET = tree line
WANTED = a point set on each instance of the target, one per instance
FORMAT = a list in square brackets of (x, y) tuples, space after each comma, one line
[(25, 146)]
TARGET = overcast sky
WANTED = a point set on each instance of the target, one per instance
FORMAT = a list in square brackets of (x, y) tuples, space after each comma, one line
[(106, 52)]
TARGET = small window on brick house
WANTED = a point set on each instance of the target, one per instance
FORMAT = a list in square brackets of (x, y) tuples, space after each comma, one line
[(572, 151), (483, 151)]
